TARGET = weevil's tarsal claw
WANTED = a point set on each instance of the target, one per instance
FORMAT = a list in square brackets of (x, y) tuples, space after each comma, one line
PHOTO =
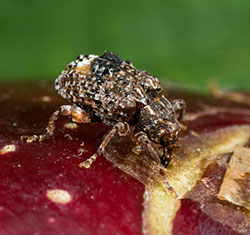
[(137, 149), (33, 138), (29, 139), (183, 127), (87, 163)]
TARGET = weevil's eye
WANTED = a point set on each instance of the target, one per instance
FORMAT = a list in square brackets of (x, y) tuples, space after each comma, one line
[(166, 141)]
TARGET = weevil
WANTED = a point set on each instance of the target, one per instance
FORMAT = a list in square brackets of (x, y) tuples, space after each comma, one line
[(120, 95)]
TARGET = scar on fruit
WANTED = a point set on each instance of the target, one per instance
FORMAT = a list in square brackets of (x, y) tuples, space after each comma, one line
[(120, 95)]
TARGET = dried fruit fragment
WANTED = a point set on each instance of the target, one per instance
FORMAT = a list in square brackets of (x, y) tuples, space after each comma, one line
[(235, 187), (205, 207)]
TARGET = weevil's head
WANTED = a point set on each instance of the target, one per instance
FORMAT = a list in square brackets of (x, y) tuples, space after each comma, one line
[(159, 122), (168, 134)]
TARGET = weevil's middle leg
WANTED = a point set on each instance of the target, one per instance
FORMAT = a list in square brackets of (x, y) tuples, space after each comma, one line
[(77, 114), (122, 128)]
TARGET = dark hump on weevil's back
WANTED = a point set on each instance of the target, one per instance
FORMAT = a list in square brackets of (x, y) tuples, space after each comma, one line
[(122, 82)]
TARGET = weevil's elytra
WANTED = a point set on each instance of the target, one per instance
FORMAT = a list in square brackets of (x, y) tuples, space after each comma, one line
[(114, 91)]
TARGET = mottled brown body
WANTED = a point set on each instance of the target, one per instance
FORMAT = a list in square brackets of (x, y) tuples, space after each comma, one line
[(108, 87), (114, 91)]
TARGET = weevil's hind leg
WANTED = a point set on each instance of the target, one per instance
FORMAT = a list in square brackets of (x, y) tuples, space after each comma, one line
[(77, 114), (122, 128), (179, 104), (141, 138)]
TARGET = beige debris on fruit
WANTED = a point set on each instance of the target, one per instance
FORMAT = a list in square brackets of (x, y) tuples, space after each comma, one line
[(235, 187), (8, 148), (71, 125), (59, 196)]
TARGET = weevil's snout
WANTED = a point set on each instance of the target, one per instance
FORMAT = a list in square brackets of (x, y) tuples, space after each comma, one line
[(169, 142)]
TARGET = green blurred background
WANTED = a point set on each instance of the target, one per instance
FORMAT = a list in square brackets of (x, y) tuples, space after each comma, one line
[(185, 41)]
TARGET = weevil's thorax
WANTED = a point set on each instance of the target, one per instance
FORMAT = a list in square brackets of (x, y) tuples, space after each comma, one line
[(109, 87), (158, 121)]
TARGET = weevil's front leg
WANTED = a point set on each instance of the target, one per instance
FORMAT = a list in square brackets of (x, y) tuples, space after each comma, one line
[(179, 104), (141, 138), (77, 114), (122, 128)]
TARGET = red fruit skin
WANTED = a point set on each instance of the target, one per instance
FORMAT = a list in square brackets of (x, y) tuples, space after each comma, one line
[(104, 199), (222, 112), (190, 220)]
